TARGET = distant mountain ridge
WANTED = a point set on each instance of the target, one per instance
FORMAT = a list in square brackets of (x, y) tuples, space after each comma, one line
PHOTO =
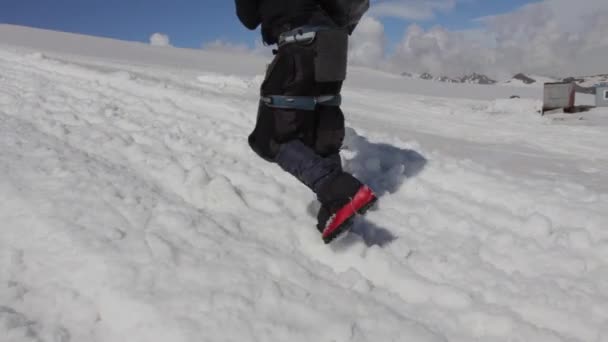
[(585, 84), (474, 78)]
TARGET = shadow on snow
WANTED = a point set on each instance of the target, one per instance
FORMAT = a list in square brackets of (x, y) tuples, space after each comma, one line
[(384, 168)]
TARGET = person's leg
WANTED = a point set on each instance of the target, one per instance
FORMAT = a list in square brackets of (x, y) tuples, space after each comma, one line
[(286, 136), (329, 137), (274, 126), (276, 140), (310, 152), (307, 166), (329, 130)]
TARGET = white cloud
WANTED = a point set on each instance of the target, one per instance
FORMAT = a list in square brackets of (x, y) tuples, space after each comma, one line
[(160, 39), (440, 52), (553, 38), (411, 9), (368, 44)]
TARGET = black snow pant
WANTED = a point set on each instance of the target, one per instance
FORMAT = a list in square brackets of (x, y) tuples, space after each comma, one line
[(304, 143)]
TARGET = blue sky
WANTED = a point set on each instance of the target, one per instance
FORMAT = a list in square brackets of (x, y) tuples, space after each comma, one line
[(190, 23)]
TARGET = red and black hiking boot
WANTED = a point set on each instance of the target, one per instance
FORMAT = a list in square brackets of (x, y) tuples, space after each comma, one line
[(342, 220)]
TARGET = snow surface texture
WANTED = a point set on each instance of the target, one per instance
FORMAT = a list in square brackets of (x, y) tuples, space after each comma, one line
[(133, 210)]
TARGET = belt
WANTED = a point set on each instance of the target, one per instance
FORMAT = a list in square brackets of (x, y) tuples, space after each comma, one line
[(303, 34), (301, 102)]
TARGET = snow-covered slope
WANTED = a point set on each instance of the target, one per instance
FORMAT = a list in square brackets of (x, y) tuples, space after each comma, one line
[(78, 48), (133, 210)]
